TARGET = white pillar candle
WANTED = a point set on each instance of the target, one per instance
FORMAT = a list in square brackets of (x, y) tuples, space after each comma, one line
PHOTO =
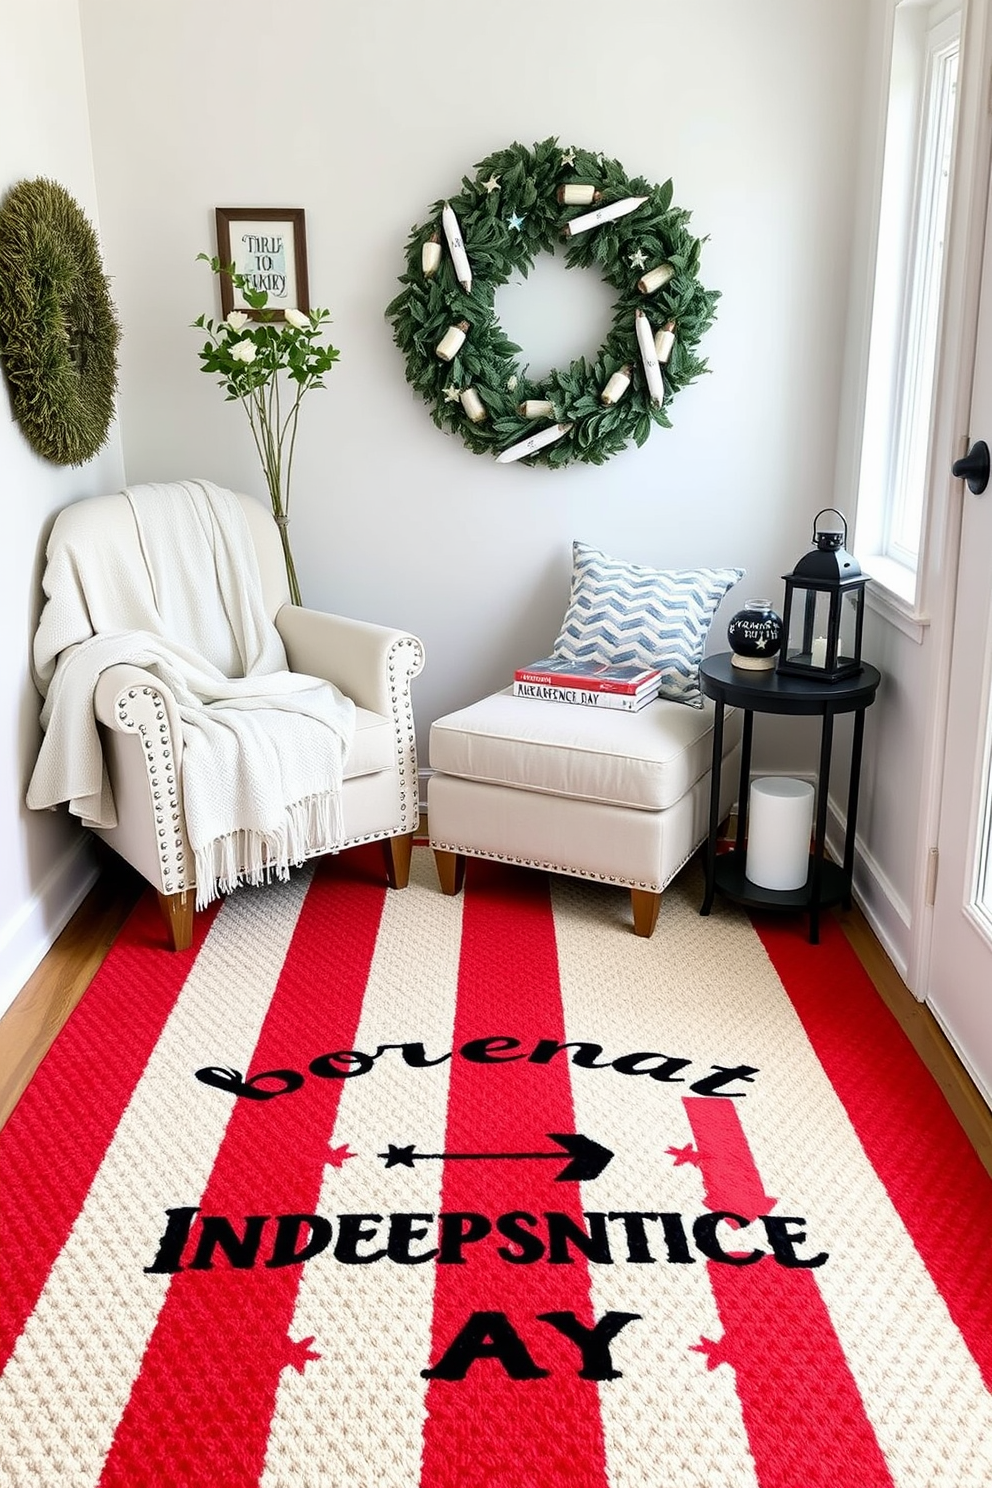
[(655, 278), (578, 194), (535, 408), (616, 387), (664, 340), (451, 342), (430, 256), (779, 821), (473, 405), (818, 656)]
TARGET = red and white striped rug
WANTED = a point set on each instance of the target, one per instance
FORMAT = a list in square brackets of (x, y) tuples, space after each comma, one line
[(306, 1206)]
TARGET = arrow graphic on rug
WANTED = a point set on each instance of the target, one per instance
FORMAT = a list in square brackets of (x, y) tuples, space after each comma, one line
[(588, 1158)]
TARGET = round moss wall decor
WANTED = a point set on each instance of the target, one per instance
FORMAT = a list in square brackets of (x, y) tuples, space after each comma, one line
[(58, 328), (521, 203)]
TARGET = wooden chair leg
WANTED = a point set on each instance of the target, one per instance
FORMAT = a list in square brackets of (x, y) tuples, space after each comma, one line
[(397, 852), (177, 911), (450, 870), (645, 905)]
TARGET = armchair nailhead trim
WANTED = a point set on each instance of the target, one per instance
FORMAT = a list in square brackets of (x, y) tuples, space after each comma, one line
[(405, 660), (148, 710), (572, 872)]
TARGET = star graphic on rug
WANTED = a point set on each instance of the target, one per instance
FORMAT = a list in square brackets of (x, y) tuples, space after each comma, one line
[(715, 1350), (398, 1156), (683, 1155), (298, 1353), (338, 1156), (492, 184), (514, 223)]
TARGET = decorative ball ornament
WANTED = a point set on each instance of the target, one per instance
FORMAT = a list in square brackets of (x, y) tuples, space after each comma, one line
[(58, 326), (521, 203), (755, 636)]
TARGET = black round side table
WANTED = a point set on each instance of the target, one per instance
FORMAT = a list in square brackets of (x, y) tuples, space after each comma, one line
[(768, 692)]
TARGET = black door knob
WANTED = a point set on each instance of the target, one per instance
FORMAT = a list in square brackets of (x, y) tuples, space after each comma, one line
[(974, 468)]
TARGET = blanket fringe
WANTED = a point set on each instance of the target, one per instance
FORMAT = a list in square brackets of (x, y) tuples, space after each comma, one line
[(311, 827)]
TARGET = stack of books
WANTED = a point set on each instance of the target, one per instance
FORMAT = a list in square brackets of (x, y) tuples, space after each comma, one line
[(587, 683)]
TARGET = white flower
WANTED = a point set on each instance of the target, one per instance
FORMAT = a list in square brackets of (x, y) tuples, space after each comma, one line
[(236, 320), (244, 351), (296, 318)]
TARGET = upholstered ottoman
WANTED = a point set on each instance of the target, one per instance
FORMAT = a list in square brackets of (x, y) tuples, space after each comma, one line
[(597, 793)]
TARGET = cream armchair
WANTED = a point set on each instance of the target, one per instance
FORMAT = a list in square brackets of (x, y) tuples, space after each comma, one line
[(143, 745)]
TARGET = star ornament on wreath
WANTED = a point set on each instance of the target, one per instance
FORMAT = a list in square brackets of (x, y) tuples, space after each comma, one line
[(522, 203)]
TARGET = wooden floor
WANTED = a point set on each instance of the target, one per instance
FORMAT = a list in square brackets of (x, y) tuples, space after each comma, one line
[(31, 1023)]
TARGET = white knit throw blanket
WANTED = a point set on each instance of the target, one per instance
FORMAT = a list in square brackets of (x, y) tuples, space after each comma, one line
[(179, 593)]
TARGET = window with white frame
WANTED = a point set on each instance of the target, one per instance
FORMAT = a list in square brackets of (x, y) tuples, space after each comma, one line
[(892, 491)]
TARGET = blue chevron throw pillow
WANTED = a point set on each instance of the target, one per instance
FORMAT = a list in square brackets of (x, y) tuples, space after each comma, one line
[(624, 612)]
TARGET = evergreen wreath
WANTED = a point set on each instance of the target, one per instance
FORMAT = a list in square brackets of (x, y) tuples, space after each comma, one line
[(58, 326), (519, 205)]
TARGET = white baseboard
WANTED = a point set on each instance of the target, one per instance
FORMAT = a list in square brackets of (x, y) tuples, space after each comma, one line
[(977, 1080), (31, 932), (884, 909), (873, 892)]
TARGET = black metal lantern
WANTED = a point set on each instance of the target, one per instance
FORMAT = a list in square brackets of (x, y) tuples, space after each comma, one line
[(823, 615)]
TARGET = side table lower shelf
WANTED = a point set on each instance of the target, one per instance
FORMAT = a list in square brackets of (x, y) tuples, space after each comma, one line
[(772, 692), (732, 881)]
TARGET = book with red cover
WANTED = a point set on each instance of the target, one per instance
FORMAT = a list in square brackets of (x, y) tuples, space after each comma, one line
[(588, 697), (593, 676)]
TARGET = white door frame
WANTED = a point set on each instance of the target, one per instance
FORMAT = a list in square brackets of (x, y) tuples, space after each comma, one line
[(950, 439)]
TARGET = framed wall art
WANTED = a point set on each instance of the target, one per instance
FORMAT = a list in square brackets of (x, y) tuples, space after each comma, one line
[(268, 246)]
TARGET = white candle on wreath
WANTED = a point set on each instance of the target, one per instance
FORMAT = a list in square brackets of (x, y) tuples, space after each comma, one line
[(603, 214), (655, 278), (649, 358), (451, 342), (532, 444), (578, 194), (430, 256), (535, 408), (664, 340), (617, 386), (473, 405), (459, 258)]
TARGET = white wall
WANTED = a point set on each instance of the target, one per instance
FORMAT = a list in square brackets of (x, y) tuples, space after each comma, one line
[(44, 131), (365, 115)]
